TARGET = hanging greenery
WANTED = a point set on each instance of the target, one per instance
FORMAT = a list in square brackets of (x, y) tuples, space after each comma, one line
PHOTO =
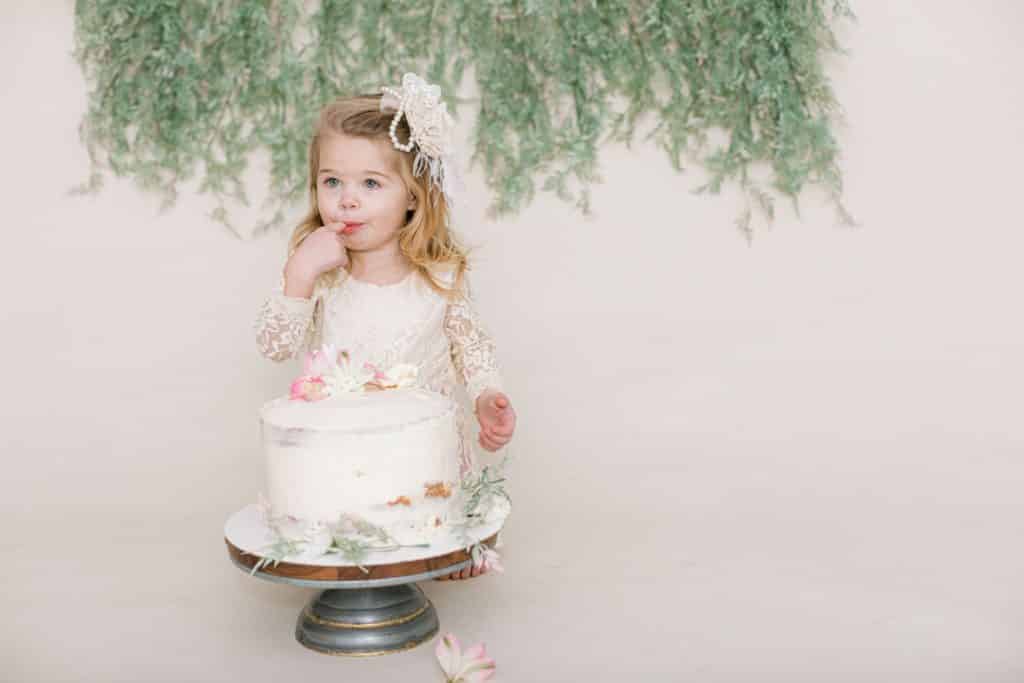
[(191, 88)]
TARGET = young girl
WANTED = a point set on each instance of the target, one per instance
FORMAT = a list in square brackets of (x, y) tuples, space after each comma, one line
[(374, 267)]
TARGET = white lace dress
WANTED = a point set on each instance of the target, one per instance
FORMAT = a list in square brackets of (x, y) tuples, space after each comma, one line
[(405, 322)]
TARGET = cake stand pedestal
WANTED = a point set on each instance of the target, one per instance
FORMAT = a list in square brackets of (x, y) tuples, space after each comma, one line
[(357, 613)]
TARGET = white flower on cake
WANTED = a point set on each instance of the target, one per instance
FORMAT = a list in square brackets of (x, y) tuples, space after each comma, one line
[(327, 372), (319, 538), (345, 377), (401, 376)]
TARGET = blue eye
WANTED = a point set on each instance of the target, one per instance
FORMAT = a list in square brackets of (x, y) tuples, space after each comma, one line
[(371, 180)]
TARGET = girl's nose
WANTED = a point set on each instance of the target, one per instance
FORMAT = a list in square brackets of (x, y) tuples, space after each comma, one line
[(349, 201)]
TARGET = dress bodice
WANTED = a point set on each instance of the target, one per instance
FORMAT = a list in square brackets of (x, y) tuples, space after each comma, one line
[(404, 322)]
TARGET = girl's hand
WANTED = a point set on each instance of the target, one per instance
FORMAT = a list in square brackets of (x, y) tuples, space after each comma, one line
[(497, 419), (321, 251)]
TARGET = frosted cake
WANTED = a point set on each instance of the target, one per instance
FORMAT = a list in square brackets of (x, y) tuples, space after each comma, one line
[(388, 457)]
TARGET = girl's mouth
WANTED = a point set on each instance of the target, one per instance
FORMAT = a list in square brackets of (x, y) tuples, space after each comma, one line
[(350, 228)]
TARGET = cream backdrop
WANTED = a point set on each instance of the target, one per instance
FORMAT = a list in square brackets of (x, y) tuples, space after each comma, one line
[(797, 460)]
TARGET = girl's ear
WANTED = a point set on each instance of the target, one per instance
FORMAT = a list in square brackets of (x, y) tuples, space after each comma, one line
[(412, 203)]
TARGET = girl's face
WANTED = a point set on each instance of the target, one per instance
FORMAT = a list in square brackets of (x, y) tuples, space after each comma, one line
[(358, 183)]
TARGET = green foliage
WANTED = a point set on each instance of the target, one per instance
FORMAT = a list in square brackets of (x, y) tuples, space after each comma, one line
[(354, 550), (480, 492), (479, 489), (191, 88), (354, 524), (352, 537), (274, 553)]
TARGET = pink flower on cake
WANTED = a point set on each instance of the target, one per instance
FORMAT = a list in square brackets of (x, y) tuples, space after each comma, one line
[(463, 667), (315, 363), (377, 373), (308, 388)]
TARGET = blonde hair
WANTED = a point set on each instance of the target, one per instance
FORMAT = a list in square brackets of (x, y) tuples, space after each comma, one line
[(426, 238)]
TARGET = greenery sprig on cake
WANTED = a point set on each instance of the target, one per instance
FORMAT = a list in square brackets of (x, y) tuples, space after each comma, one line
[(481, 492)]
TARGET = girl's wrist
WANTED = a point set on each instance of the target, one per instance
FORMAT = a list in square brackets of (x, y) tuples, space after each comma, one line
[(294, 266), (298, 281)]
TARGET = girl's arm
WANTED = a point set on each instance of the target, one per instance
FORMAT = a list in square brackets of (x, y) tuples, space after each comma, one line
[(285, 325), (473, 350), (474, 359)]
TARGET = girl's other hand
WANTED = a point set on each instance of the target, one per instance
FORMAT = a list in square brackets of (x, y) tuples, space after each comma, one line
[(497, 419)]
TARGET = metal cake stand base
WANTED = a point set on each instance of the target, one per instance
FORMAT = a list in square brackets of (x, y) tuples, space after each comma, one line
[(367, 621), (357, 613)]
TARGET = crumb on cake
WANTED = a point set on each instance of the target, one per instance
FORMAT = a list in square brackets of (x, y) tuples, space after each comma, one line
[(438, 489)]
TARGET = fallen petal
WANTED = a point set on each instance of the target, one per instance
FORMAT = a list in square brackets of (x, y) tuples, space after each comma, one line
[(479, 670), (478, 651), (449, 655)]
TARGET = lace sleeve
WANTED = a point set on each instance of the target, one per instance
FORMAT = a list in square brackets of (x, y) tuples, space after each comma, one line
[(473, 350), (285, 325)]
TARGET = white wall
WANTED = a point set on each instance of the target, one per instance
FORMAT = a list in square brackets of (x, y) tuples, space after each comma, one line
[(795, 460)]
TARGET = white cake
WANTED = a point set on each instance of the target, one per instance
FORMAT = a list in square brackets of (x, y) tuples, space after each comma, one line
[(389, 457)]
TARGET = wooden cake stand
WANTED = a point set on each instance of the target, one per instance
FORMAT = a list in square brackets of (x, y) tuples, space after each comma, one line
[(357, 613)]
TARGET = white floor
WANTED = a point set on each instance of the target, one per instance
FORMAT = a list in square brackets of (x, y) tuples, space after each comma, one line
[(727, 563)]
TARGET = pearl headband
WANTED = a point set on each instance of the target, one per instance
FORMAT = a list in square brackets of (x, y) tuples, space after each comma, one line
[(431, 131)]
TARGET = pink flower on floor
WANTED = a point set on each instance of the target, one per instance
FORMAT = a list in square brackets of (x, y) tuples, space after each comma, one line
[(308, 388), (463, 667)]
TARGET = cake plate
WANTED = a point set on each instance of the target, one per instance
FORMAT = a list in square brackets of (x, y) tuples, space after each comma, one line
[(357, 613)]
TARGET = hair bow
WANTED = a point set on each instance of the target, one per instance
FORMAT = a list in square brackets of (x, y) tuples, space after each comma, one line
[(431, 129)]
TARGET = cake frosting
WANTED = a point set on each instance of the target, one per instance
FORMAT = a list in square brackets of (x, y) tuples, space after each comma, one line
[(388, 457)]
